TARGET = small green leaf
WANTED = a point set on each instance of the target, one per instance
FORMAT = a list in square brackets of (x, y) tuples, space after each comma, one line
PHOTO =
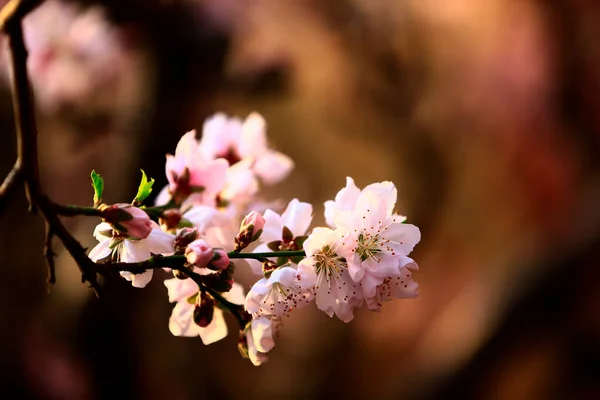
[(98, 185), (144, 189), (192, 299)]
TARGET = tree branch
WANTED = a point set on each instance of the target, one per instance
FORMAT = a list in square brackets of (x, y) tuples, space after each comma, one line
[(14, 12), (49, 254), (27, 162), (9, 186)]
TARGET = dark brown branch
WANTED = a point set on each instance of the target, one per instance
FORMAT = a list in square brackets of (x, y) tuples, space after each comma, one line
[(10, 22), (14, 12), (49, 254), (74, 211), (9, 186)]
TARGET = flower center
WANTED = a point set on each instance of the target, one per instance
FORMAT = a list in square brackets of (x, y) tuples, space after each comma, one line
[(231, 156), (369, 245), (328, 262)]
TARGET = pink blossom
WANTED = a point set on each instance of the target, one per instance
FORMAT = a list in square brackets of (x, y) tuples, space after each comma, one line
[(127, 219), (220, 259), (199, 253)]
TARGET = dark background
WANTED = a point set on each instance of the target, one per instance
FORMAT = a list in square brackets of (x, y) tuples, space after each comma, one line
[(484, 114)]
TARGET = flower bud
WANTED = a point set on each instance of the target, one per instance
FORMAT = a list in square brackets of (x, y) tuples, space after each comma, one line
[(199, 253), (184, 237), (268, 267), (250, 230), (204, 310), (128, 219), (220, 260)]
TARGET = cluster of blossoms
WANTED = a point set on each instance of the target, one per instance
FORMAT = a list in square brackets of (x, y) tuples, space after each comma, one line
[(194, 232), (75, 54)]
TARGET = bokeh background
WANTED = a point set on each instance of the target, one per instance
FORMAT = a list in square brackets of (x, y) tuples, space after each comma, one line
[(485, 114)]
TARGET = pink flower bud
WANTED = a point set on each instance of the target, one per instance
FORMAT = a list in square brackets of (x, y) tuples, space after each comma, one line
[(254, 219), (184, 237), (250, 230), (220, 259), (199, 253), (128, 219)]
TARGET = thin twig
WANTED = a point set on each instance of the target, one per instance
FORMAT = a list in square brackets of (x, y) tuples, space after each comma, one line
[(9, 186), (49, 254), (74, 211), (15, 10)]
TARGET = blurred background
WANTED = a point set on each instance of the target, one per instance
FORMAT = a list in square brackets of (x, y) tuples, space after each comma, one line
[(486, 115)]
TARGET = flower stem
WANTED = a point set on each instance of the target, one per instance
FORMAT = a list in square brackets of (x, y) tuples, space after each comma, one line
[(72, 211), (270, 254)]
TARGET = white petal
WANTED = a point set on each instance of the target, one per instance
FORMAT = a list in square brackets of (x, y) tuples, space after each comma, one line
[(159, 242), (385, 191), (324, 298), (138, 280), (273, 167), (180, 289), (369, 285), (297, 217), (355, 269), (187, 147), (318, 239), (305, 274), (272, 228), (348, 195), (181, 322), (262, 333), (253, 140), (132, 252), (102, 227), (405, 236), (203, 217), (283, 275), (163, 196), (255, 296), (344, 311), (240, 184), (101, 251), (236, 294)]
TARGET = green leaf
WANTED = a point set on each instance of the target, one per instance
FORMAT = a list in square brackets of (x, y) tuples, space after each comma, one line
[(98, 185), (192, 299), (144, 189)]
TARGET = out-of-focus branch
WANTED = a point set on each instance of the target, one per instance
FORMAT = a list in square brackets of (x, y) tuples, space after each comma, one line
[(9, 186), (26, 168), (15, 10)]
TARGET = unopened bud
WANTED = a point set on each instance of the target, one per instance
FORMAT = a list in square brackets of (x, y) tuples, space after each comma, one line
[(128, 220), (204, 311), (220, 260), (199, 253), (250, 230), (268, 267), (184, 237)]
